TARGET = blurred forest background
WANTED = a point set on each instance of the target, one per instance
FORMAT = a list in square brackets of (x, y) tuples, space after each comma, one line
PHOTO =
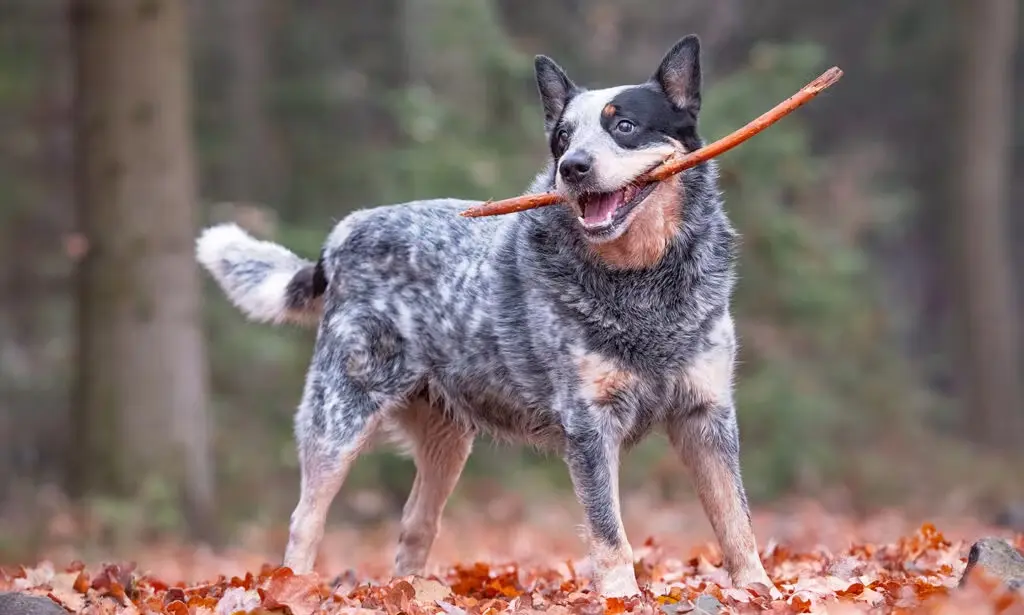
[(880, 276)]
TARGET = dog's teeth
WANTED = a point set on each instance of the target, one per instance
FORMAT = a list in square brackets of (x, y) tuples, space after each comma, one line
[(582, 221)]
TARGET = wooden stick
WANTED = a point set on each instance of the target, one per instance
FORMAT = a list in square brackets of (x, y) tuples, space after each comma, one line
[(676, 164)]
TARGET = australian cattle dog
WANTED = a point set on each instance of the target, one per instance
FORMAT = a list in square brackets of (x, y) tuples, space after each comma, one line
[(578, 328)]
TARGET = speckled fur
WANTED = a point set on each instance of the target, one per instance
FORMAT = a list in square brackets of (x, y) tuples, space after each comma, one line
[(511, 326)]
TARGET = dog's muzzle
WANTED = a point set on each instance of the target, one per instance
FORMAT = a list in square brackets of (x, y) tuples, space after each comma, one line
[(603, 211)]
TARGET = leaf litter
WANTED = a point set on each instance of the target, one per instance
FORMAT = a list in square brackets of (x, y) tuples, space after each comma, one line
[(917, 573)]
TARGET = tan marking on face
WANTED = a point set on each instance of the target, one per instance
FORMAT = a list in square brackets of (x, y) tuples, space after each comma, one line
[(600, 379), (608, 111), (652, 229)]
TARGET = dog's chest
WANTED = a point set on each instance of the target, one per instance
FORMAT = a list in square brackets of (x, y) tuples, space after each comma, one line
[(699, 372), (652, 327)]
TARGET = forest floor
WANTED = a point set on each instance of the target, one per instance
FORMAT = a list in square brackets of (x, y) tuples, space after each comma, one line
[(508, 557)]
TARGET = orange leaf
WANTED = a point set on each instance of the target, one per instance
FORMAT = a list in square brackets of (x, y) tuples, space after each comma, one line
[(800, 605), (63, 591), (300, 594), (176, 608), (616, 606), (81, 584)]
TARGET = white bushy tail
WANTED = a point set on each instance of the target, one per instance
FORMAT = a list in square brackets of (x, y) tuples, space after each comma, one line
[(264, 280)]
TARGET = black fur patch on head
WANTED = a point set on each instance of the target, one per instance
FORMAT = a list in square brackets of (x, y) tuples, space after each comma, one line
[(560, 138), (644, 116)]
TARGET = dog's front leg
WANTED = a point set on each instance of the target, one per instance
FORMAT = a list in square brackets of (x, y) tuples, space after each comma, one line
[(592, 455), (708, 442), (706, 436)]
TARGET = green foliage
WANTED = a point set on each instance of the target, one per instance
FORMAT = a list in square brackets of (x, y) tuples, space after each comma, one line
[(820, 365), (447, 151), (152, 511)]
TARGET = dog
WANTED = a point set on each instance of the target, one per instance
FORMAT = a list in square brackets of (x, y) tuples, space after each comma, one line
[(576, 328)]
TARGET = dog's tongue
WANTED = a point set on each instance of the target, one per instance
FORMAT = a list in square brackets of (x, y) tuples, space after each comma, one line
[(597, 207)]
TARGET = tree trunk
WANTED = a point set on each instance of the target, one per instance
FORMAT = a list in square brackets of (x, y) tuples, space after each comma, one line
[(253, 171), (140, 405), (982, 282)]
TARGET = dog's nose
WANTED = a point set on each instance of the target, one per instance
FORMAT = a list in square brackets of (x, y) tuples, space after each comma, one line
[(575, 167)]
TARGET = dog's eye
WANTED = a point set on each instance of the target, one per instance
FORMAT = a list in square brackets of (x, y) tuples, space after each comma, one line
[(562, 140), (625, 126)]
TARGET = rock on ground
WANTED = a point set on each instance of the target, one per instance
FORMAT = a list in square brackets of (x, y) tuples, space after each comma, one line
[(998, 558), (17, 603)]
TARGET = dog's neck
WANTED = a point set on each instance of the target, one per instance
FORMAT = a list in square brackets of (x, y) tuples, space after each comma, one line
[(684, 220), (677, 270)]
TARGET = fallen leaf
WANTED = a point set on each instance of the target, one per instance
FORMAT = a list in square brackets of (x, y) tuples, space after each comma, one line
[(300, 594), (398, 596), (63, 589), (238, 599), (615, 606), (177, 607), (430, 591), (35, 577), (706, 605), (450, 609)]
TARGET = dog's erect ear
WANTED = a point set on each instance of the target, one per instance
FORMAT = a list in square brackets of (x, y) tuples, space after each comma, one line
[(679, 74), (555, 89)]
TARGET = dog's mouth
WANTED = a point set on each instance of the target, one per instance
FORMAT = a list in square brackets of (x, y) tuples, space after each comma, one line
[(604, 211)]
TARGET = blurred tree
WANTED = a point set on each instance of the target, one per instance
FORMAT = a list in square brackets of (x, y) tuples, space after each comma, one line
[(140, 409), (253, 171), (34, 189), (988, 357)]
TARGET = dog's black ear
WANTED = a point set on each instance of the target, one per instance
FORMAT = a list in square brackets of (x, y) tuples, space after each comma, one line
[(679, 74), (555, 89)]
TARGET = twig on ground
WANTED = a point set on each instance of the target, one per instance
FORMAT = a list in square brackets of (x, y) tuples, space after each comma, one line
[(676, 164)]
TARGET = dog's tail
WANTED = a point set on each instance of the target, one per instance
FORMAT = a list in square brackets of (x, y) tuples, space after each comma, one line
[(266, 281)]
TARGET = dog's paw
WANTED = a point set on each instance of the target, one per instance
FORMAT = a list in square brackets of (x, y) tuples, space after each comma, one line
[(749, 578), (618, 582)]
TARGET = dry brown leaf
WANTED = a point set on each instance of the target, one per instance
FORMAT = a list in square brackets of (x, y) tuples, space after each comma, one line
[(450, 609), (35, 577), (917, 573), (301, 594), (430, 591), (64, 590)]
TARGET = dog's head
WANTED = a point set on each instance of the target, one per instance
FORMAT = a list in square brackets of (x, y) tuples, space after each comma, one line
[(602, 140)]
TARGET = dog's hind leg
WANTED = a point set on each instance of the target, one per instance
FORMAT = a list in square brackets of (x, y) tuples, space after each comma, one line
[(440, 448), (357, 374), (325, 456)]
